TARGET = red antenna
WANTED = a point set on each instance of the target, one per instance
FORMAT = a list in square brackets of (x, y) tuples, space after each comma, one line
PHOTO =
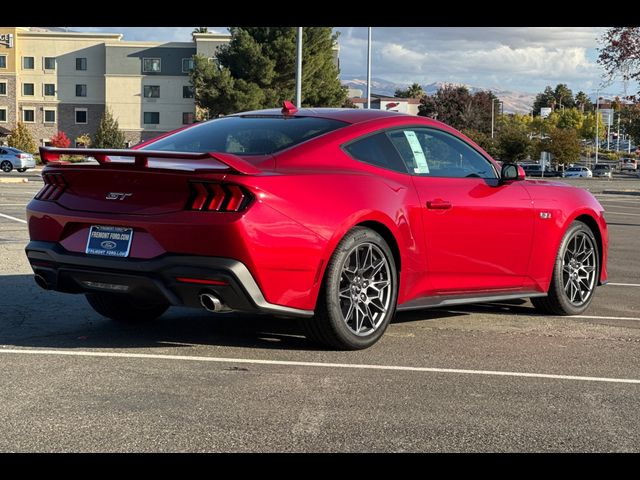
[(288, 108)]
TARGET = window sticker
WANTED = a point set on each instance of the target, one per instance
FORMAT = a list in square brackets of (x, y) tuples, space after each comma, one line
[(418, 153)]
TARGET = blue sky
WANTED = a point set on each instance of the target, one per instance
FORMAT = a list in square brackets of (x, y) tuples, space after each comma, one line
[(515, 58)]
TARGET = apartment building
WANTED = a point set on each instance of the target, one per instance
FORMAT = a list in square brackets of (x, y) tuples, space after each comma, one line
[(63, 81)]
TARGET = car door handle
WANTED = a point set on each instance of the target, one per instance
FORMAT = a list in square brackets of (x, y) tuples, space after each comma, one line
[(438, 204)]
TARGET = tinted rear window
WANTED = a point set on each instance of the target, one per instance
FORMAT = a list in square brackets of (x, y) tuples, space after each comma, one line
[(246, 135)]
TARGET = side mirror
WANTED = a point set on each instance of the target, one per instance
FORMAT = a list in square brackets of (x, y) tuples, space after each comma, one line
[(511, 171)]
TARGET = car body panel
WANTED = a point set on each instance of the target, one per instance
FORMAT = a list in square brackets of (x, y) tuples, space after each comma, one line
[(308, 196)]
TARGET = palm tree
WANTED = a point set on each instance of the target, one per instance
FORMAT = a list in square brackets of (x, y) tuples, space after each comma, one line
[(581, 100), (200, 30)]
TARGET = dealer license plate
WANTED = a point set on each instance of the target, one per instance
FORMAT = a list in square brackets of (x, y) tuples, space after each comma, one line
[(109, 241)]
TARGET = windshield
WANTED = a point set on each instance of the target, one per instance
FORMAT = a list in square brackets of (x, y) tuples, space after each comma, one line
[(249, 135)]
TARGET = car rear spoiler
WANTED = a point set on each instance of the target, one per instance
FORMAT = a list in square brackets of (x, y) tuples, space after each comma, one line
[(141, 157)]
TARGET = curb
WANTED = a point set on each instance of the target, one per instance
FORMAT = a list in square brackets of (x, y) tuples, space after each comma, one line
[(13, 180), (622, 192)]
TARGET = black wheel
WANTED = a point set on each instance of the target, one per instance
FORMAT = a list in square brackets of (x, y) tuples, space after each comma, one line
[(21, 170), (575, 273), (124, 308), (358, 295), (6, 166)]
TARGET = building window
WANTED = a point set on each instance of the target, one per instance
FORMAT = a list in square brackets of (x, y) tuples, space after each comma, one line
[(152, 118), (187, 91), (81, 115), (49, 116), (49, 63), (187, 65), (151, 91), (3, 115), (28, 63), (28, 115), (187, 118), (27, 89), (151, 65), (81, 63), (3, 61), (3, 88), (49, 89), (81, 90)]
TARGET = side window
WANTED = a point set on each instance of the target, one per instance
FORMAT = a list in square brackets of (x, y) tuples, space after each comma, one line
[(433, 153), (376, 150)]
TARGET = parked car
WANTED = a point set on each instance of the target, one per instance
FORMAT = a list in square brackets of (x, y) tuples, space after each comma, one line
[(11, 158), (338, 216), (629, 165), (574, 172), (602, 170), (535, 170)]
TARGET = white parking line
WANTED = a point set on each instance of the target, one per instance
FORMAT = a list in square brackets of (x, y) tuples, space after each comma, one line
[(598, 317), (13, 205), (13, 218), (317, 365), (609, 212), (624, 284)]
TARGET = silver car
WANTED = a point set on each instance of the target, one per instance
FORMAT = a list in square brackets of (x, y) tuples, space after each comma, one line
[(602, 170), (11, 158)]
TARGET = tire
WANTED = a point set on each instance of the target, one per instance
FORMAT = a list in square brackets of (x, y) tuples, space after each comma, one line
[(575, 273), (361, 259), (124, 308), (21, 170), (6, 166)]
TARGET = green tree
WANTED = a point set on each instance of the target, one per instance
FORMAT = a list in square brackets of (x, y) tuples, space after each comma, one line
[(563, 144), (108, 134), (22, 139), (456, 106), (257, 70), (413, 91), (544, 100), (583, 102), (200, 30), (588, 128), (570, 118), (563, 96), (490, 145), (630, 121), (514, 143)]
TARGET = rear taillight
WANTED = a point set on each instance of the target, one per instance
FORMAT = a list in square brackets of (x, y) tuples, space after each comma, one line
[(54, 185), (22, 155), (218, 197)]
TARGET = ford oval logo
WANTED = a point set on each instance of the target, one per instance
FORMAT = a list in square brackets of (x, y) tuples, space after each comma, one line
[(108, 245)]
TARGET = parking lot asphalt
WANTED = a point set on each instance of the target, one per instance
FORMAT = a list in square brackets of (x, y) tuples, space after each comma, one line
[(488, 377)]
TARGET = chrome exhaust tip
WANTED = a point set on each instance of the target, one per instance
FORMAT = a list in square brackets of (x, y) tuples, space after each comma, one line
[(210, 302)]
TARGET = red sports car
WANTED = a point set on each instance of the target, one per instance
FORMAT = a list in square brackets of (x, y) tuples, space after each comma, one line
[(338, 216)]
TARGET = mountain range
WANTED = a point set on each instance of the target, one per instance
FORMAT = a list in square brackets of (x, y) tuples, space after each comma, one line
[(514, 101)]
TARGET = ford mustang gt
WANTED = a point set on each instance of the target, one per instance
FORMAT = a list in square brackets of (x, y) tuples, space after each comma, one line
[(338, 216)]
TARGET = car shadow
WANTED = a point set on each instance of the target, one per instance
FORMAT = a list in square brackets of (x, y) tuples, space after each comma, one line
[(32, 317)]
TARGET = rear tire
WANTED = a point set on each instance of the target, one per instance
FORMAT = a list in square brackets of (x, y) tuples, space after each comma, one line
[(6, 166), (21, 170), (359, 293), (124, 308), (575, 273)]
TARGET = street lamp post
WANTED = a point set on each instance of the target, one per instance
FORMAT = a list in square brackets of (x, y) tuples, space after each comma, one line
[(493, 103), (369, 69), (597, 123), (299, 69)]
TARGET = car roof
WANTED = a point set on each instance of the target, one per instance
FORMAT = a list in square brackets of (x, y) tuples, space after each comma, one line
[(347, 115)]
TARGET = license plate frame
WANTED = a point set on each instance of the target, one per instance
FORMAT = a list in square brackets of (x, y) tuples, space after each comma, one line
[(109, 241)]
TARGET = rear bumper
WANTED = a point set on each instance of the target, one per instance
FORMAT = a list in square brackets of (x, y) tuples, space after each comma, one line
[(153, 279)]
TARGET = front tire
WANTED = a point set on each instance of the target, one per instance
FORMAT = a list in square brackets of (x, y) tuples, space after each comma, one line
[(575, 273), (359, 293), (6, 166), (21, 170), (124, 308)]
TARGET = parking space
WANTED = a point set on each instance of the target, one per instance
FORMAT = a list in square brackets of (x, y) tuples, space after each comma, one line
[(488, 377)]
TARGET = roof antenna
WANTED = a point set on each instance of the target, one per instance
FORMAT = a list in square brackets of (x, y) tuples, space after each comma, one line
[(288, 108)]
